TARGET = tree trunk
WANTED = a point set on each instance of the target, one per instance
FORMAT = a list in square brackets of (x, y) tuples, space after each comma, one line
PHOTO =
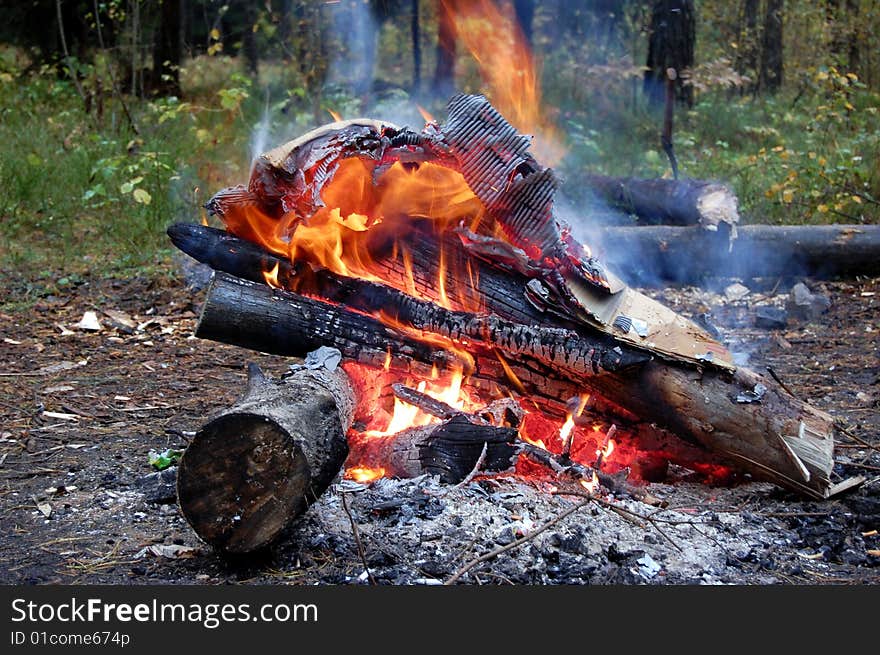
[(444, 73), (167, 51), (668, 202), (771, 76), (249, 472), (416, 36), (749, 42), (525, 13), (251, 12), (670, 45), (689, 255)]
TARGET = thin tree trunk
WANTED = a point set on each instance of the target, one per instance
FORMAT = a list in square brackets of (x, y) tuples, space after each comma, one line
[(671, 45), (525, 13), (444, 73), (416, 48), (167, 51), (771, 76), (249, 39)]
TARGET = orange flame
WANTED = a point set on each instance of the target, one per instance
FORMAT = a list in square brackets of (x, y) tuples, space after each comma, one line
[(271, 277), (429, 118), (508, 68), (336, 117), (591, 485), (567, 427)]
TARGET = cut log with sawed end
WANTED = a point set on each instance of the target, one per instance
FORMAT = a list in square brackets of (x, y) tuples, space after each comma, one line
[(249, 472), (669, 202), (689, 254)]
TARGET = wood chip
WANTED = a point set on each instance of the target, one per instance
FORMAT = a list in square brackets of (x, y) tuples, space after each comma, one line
[(58, 389), (61, 416), (874, 552), (45, 509), (89, 322), (12, 342)]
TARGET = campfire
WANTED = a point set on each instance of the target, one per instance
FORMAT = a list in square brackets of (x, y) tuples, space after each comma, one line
[(452, 326)]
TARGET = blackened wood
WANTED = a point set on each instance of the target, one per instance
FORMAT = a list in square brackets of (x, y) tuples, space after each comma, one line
[(251, 470), (256, 316), (660, 201), (450, 449), (652, 255), (700, 406)]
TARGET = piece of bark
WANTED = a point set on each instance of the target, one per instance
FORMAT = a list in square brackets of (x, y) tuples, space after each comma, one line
[(668, 202), (652, 255), (250, 471)]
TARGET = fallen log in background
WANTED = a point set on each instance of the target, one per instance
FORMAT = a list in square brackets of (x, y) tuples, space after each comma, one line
[(250, 471), (668, 202), (652, 254)]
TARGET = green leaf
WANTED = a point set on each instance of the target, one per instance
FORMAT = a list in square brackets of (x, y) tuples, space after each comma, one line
[(34, 160), (163, 460), (142, 196), (126, 187)]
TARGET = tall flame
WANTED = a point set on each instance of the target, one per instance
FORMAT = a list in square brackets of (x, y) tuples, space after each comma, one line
[(508, 68)]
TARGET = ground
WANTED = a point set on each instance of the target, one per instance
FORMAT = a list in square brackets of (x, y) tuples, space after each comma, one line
[(81, 411)]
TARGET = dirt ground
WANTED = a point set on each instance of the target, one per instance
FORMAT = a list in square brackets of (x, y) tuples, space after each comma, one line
[(81, 410)]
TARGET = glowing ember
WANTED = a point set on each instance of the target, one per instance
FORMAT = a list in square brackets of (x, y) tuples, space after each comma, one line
[(364, 474)]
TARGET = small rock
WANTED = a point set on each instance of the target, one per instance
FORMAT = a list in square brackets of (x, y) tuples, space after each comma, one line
[(770, 318), (805, 305), (736, 291), (160, 487)]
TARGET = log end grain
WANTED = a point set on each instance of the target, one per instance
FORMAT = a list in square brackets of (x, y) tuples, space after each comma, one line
[(241, 481)]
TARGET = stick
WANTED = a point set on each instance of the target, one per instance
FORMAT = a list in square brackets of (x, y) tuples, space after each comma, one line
[(357, 538)]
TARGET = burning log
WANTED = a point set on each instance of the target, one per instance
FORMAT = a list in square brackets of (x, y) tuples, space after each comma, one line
[(249, 472), (669, 202), (451, 450), (500, 289), (689, 254), (741, 417)]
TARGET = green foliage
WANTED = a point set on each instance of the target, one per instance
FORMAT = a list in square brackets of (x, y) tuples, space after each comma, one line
[(83, 191)]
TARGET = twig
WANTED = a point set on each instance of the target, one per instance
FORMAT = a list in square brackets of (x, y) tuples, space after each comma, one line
[(780, 382), (611, 482), (79, 89), (517, 543), (620, 511), (357, 539), (839, 425)]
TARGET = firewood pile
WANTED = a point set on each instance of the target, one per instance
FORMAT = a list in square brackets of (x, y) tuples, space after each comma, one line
[(452, 326)]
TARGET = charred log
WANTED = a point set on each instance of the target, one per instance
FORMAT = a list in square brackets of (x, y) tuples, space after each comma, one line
[(451, 450), (249, 472), (771, 434), (690, 254), (668, 202)]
